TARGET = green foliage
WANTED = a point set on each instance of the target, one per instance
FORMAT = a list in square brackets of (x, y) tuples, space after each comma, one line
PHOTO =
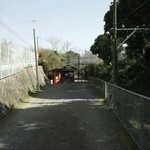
[(102, 71), (132, 14), (134, 77), (102, 47), (70, 58), (134, 64), (49, 60)]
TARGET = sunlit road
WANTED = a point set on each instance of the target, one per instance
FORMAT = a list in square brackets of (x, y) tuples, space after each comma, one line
[(64, 117)]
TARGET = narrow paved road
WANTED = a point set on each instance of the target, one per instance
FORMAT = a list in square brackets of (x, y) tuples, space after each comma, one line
[(64, 117)]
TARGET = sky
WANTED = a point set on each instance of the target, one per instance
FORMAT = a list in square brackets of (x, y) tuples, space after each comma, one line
[(78, 22)]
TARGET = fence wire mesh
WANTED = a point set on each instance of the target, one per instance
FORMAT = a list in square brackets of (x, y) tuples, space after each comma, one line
[(14, 58), (133, 111)]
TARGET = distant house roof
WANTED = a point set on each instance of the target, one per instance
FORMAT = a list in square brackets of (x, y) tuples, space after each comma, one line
[(69, 68), (65, 68)]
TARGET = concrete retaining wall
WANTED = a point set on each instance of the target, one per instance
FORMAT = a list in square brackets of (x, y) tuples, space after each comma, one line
[(17, 87)]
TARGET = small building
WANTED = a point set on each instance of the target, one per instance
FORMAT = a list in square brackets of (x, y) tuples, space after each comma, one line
[(62, 75)]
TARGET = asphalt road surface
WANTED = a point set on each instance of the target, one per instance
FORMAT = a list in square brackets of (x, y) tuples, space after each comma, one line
[(64, 117)]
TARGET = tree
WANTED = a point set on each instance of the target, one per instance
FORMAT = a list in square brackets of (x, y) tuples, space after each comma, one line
[(133, 14), (55, 43), (89, 58), (71, 58), (102, 47), (58, 45), (49, 60), (66, 46)]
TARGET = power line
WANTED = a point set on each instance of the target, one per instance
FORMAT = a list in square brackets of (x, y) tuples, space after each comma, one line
[(13, 32)]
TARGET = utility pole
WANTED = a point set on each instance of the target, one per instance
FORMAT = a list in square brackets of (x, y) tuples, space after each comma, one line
[(78, 66), (37, 43), (36, 61), (114, 50)]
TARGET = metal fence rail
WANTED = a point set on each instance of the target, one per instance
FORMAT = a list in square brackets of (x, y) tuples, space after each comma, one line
[(133, 111), (13, 59)]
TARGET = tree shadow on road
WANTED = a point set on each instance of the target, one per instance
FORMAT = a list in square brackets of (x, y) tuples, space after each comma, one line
[(81, 121)]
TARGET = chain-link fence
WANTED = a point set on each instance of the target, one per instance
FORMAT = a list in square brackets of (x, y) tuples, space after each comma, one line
[(14, 58), (133, 110)]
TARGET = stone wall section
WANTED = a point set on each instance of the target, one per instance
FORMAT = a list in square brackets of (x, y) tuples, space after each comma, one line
[(16, 87)]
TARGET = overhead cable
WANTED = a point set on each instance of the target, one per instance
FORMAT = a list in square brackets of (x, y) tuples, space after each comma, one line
[(13, 32)]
